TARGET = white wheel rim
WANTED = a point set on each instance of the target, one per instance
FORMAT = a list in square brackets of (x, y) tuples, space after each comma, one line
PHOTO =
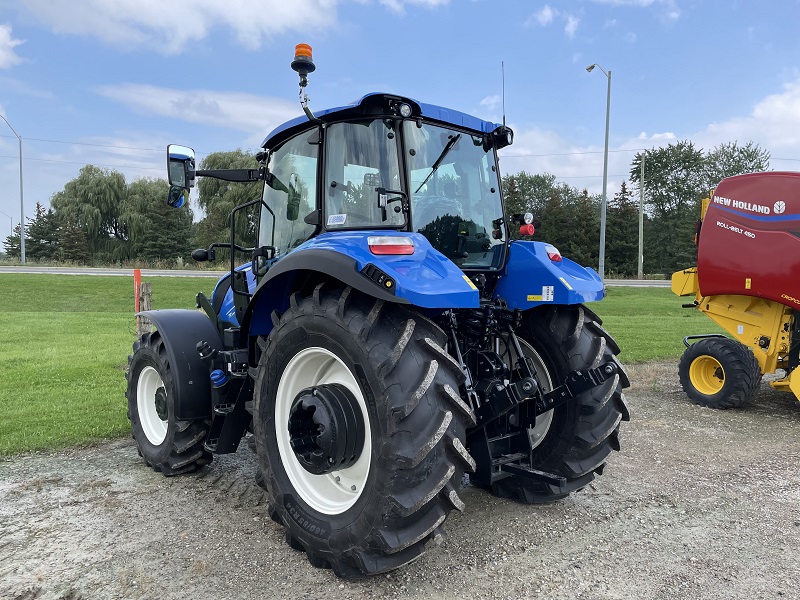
[(544, 420), (332, 493), (154, 428)]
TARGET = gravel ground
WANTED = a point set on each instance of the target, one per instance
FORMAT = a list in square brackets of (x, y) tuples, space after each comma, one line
[(699, 504)]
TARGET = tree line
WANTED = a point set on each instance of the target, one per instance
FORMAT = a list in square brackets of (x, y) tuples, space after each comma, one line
[(100, 218)]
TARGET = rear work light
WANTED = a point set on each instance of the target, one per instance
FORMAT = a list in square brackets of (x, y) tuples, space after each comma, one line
[(552, 253), (390, 244)]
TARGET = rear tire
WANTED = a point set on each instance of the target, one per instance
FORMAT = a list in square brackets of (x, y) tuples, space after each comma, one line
[(168, 445), (385, 507), (576, 440), (719, 373)]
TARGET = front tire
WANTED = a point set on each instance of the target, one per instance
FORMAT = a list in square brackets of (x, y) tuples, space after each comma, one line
[(574, 439), (719, 373), (385, 365), (167, 444)]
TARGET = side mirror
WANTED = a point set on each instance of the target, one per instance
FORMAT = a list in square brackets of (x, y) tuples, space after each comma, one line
[(177, 196), (262, 259), (180, 166)]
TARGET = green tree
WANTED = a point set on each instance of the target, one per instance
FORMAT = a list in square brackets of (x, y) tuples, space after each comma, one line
[(218, 198), (525, 192), (41, 235), (731, 159), (157, 231), (12, 244), (622, 234), (93, 200), (674, 182), (73, 246)]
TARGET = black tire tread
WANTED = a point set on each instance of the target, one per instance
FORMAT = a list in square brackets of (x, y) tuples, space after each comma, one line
[(187, 453), (742, 372), (425, 457), (572, 338)]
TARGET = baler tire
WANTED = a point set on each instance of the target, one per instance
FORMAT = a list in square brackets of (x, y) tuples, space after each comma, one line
[(582, 432), (168, 445), (387, 508), (719, 373)]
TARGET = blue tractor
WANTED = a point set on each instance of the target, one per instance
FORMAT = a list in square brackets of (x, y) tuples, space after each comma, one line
[(385, 338)]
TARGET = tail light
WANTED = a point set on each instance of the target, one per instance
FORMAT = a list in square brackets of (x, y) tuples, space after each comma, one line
[(552, 253), (390, 244)]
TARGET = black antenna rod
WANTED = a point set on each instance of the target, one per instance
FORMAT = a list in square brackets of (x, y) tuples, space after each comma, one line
[(503, 71)]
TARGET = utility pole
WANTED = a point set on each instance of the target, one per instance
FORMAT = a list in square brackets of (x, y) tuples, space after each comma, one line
[(641, 221)]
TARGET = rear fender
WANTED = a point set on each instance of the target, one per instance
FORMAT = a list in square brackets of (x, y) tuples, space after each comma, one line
[(426, 278), (532, 279), (180, 331)]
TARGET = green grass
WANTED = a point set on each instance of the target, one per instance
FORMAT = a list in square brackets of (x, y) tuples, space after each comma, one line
[(649, 323), (65, 342)]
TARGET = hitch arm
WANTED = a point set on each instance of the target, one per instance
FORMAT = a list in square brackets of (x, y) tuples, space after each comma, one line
[(502, 400)]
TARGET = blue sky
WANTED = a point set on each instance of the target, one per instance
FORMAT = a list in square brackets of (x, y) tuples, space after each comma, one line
[(112, 82)]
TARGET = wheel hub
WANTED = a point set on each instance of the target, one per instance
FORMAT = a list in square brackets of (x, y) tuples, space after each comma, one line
[(161, 403), (326, 428)]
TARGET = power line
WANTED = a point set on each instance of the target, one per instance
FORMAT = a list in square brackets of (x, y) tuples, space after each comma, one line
[(74, 162)]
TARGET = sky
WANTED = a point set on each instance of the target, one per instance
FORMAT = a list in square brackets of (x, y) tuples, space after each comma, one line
[(112, 82)]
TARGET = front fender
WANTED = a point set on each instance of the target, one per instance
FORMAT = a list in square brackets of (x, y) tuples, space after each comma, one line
[(426, 278), (532, 279), (180, 331)]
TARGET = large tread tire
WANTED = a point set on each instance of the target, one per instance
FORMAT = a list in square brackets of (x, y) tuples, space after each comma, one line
[(415, 444), (168, 445), (719, 373), (583, 432)]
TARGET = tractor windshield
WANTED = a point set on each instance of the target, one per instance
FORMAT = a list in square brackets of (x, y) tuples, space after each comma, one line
[(452, 187), (455, 194)]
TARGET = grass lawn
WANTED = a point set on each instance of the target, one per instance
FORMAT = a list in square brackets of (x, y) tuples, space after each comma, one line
[(649, 323), (66, 339)]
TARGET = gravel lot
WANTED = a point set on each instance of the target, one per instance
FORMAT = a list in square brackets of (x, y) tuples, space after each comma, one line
[(699, 504)]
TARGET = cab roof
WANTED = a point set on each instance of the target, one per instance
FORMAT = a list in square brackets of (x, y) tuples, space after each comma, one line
[(377, 103)]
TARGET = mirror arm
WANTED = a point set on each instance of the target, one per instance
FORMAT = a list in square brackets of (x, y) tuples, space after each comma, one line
[(235, 175)]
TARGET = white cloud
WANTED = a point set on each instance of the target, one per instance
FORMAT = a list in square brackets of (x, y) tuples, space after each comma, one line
[(668, 10), (543, 17), (244, 112), (8, 57), (774, 124), (571, 26), (491, 102), (399, 6), (630, 37), (547, 15), (169, 26)]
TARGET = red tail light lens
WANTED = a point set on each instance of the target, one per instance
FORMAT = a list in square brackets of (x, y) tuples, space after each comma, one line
[(390, 244), (526, 229), (553, 253)]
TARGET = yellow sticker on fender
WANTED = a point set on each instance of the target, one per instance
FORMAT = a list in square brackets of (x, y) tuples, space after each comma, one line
[(469, 281), (532, 298)]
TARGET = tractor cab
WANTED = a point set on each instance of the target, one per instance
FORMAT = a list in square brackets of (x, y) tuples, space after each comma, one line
[(388, 165)]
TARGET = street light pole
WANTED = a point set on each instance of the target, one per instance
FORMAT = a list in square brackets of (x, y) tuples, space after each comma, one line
[(21, 203), (604, 204)]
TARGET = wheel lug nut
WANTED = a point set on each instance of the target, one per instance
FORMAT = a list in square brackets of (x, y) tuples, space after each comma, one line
[(352, 487)]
